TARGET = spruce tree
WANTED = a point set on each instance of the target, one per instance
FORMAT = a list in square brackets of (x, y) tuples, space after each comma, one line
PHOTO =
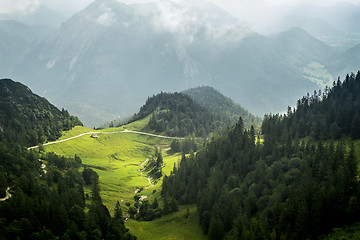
[(355, 126)]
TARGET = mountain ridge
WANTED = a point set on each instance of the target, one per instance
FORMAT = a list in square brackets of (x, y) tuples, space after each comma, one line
[(110, 53)]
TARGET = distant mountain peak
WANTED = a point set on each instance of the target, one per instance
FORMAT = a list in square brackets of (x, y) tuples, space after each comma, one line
[(106, 13)]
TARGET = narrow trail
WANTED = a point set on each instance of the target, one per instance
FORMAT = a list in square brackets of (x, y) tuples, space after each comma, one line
[(7, 196), (142, 166), (124, 131), (141, 172), (151, 184)]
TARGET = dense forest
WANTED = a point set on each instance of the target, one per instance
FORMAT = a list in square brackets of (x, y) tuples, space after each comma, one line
[(324, 115), (42, 195), (176, 114), (289, 187), (28, 119), (50, 203), (224, 107)]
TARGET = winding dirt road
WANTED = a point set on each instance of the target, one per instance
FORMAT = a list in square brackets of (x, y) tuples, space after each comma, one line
[(124, 131), (7, 196)]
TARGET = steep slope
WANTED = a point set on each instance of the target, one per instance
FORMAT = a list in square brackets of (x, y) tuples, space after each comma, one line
[(16, 41), (176, 114), (347, 14), (42, 195), (100, 58), (111, 53), (40, 15), (327, 115), (28, 119), (323, 31), (347, 62), (217, 103), (280, 189)]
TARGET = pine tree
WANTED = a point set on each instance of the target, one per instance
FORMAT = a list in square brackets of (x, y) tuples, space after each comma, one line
[(355, 126), (118, 212)]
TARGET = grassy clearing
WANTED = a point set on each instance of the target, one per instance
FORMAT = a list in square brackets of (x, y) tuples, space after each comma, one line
[(138, 125), (77, 130), (317, 73), (117, 158), (172, 226)]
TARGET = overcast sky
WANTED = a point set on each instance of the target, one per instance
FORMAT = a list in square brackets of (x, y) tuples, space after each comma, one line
[(7, 6), (252, 12)]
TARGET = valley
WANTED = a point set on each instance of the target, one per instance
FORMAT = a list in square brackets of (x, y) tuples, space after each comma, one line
[(167, 172), (118, 156), (89, 66), (179, 119)]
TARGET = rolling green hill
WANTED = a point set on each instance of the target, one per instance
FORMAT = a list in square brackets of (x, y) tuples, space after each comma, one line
[(222, 106), (176, 114)]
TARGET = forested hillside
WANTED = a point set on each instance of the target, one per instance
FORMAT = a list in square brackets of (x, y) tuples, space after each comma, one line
[(176, 114), (285, 188), (28, 119), (50, 203), (222, 106), (42, 195), (324, 115)]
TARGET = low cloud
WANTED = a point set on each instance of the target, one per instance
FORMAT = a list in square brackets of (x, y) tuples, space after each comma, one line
[(107, 17), (18, 6)]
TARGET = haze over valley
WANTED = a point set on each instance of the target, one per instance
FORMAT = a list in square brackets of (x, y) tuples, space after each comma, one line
[(105, 60), (179, 119)]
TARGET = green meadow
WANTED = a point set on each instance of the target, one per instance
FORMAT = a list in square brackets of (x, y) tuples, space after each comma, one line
[(117, 158), (179, 225)]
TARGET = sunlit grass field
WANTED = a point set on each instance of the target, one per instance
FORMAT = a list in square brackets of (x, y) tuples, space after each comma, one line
[(172, 226), (117, 158)]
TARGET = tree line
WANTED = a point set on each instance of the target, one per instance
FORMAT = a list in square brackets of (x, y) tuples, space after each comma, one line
[(176, 114), (28, 119), (46, 203), (327, 114), (51, 204), (290, 187)]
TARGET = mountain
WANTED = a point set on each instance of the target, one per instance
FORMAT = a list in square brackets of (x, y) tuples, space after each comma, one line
[(42, 194), (16, 41), (110, 54), (322, 30), (318, 19), (283, 187), (347, 14), (111, 35), (40, 15), (28, 119), (347, 62), (176, 114), (217, 103)]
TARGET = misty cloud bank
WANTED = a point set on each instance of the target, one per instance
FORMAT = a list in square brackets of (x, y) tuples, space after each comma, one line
[(105, 60)]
